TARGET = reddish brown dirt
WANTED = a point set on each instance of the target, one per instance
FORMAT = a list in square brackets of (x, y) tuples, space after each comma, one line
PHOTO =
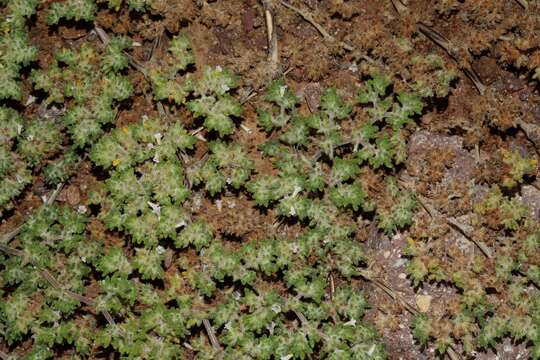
[(232, 34)]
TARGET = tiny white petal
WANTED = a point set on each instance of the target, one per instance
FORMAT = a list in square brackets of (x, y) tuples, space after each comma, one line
[(276, 308), (30, 100), (297, 189), (282, 90), (156, 209), (245, 128)]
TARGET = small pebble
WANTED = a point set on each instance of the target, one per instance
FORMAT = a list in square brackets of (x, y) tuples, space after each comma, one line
[(423, 302)]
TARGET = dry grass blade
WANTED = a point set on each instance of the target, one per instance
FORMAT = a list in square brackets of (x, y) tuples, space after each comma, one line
[(386, 288), (11, 235), (307, 16), (105, 39), (463, 64), (461, 228), (6, 239), (271, 32), (523, 3), (532, 131), (211, 335), (305, 323), (45, 274), (400, 7), (454, 225)]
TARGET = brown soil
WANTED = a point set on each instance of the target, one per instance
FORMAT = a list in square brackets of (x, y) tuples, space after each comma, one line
[(458, 133)]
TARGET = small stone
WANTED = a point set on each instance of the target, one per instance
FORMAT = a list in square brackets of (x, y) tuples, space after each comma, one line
[(386, 254), (423, 302), (402, 276), (73, 195)]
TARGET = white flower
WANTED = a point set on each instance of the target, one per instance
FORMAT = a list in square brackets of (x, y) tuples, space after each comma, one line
[(156, 209), (351, 322), (180, 224), (292, 212), (296, 190), (245, 128), (282, 90), (286, 357), (276, 308), (270, 327), (160, 249)]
